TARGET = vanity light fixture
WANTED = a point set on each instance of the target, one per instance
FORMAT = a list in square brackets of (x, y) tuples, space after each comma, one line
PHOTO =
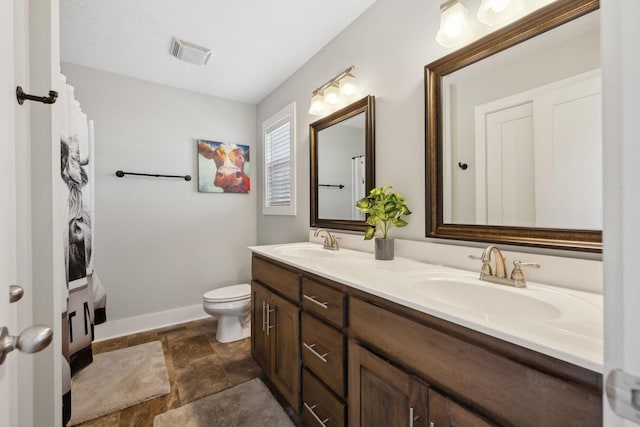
[(454, 24), (496, 12), (334, 94)]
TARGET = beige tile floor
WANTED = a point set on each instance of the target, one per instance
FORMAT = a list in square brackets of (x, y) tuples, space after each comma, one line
[(197, 364)]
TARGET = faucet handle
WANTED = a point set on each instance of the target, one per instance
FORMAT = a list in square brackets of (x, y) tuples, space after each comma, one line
[(518, 276), (335, 242), (485, 270)]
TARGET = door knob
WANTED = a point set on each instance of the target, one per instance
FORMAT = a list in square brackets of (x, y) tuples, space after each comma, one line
[(31, 340), (15, 293)]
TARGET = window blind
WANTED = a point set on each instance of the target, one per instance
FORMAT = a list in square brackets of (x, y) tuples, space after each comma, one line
[(278, 165)]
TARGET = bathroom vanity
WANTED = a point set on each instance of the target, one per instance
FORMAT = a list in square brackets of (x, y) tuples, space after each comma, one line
[(349, 340)]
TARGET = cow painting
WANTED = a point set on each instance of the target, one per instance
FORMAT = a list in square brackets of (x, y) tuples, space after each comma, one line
[(223, 167)]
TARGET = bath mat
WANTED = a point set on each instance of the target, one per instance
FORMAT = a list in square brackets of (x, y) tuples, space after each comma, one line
[(118, 379), (248, 404)]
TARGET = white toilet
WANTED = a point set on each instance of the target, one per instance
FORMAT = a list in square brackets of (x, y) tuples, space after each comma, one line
[(231, 305)]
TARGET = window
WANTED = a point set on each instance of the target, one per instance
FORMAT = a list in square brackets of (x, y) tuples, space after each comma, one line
[(279, 141)]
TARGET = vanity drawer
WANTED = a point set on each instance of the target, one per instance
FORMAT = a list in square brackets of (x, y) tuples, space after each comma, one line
[(281, 280), (319, 406), (323, 352), (324, 301)]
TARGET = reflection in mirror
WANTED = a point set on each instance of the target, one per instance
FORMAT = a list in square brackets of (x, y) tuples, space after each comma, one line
[(528, 122), (342, 165), (341, 169), (514, 144)]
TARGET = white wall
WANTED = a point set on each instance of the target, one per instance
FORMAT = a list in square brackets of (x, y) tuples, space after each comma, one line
[(159, 243)]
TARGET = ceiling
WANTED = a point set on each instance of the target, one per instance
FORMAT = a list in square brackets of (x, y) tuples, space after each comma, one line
[(257, 44)]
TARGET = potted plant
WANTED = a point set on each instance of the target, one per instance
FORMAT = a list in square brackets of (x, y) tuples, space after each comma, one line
[(385, 210)]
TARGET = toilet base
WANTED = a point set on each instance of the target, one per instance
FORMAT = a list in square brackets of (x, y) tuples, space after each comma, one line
[(233, 328)]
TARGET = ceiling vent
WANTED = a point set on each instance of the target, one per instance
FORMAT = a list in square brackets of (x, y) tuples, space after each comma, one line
[(190, 52)]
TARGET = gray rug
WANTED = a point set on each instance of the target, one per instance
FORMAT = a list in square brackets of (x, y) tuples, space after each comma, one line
[(246, 405), (118, 379)]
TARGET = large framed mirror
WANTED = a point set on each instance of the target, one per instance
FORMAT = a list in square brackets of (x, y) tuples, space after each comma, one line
[(342, 165), (514, 134)]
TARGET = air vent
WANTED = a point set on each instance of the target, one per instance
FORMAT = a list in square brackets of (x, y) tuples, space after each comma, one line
[(190, 52)]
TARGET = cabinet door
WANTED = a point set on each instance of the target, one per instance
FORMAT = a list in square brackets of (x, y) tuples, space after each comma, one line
[(259, 337), (381, 394), (285, 349), (443, 412)]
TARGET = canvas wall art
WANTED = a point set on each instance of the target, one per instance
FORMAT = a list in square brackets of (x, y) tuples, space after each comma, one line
[(223, 168)]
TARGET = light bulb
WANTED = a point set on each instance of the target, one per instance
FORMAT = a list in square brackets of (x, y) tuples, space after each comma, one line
[(499, 5), (332, 94), (348, 86), (496, 12), (317, 107), (454, 24)]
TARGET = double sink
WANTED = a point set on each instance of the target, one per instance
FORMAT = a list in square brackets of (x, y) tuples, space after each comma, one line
[(562, 323)]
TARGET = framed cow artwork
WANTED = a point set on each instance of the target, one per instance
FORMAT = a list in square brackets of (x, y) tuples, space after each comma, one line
[(223, 167)]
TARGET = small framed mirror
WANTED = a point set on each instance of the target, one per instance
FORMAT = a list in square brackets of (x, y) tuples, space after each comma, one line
[(342, 165), (514, 134)]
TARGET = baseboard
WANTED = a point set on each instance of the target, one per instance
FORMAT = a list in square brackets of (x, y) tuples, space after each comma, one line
[(133, 325)]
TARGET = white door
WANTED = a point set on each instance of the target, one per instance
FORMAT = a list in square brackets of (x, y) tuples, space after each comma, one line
[(30, 251), (8, 370), (621, 240), (568, 155), (504, 172)]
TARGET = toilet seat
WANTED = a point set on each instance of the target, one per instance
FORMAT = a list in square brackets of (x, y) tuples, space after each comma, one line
[(228, 293)]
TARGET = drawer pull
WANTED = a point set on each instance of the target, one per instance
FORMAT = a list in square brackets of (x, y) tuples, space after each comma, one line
[(413, 419), (313, 299), (320, 356), (311, 408), (269, 325), (264, 316)]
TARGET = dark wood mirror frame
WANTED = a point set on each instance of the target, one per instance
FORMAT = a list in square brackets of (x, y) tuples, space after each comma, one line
[(365, 105), (538, 22)]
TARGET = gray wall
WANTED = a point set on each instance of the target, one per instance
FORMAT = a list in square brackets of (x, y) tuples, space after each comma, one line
[(159, 243)]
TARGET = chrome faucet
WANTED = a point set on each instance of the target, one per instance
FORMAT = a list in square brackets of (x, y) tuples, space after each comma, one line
[(330, 241), (500, 275)]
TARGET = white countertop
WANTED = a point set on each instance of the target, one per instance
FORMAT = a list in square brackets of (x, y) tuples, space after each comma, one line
[(562, 323)]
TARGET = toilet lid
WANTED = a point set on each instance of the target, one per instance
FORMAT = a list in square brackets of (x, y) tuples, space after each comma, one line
[(228, 293)]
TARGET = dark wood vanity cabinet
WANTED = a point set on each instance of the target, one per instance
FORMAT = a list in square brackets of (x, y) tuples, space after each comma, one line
[(324, 352), (345, 357), (381, 394), (474, 376), (444, 412), (275, 328)]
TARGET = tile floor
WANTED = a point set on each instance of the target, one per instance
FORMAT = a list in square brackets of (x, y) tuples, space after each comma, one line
[(197, 364)]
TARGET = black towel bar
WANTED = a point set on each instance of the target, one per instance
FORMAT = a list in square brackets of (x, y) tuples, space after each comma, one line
[(120, 174)]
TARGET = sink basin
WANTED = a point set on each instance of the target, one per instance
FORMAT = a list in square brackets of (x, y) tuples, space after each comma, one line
[(306, 251), (487, 300)]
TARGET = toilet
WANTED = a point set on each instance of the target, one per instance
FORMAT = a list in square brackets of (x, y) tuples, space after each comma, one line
[(231, 305)]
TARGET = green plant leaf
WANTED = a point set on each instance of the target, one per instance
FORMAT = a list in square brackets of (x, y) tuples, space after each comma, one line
[(369, 233), (399, 222), (385, 210)]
